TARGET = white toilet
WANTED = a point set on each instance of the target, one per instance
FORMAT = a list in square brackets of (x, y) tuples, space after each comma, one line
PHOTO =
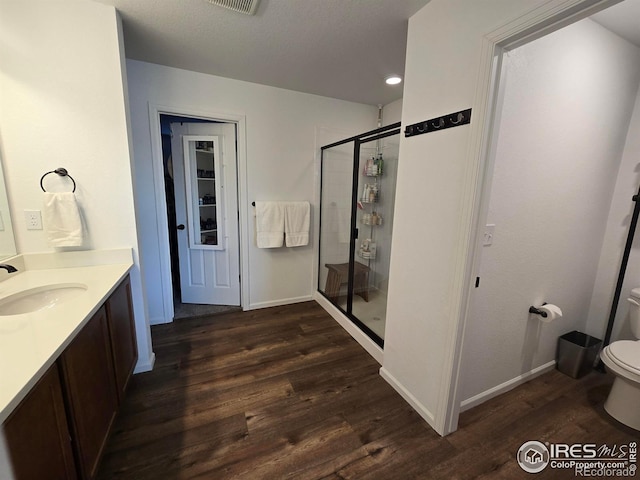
[(622, 358)]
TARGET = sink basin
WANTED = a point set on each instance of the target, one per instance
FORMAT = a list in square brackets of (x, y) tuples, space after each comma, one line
[(39, 298)]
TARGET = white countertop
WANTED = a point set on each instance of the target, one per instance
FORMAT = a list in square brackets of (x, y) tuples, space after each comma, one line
[(30, 343)]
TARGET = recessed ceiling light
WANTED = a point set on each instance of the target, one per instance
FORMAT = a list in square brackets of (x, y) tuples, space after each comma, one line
[(393, 79)]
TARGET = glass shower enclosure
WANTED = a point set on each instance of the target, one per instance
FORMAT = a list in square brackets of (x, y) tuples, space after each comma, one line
[(358, 183)]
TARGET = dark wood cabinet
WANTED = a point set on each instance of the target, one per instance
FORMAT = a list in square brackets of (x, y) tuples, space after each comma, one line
[(61, 427), (89, 383), (37, 435), (123, 336)]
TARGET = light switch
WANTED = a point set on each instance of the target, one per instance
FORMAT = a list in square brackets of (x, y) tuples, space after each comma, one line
[(489, 230)]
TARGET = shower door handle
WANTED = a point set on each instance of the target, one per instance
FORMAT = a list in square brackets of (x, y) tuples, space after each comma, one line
[(180, 227)]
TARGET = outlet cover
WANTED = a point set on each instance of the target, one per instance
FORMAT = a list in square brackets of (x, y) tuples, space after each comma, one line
[(33, 219)]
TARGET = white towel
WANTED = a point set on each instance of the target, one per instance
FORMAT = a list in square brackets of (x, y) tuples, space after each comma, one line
[(62, 222), (269, 224), (296, 223)]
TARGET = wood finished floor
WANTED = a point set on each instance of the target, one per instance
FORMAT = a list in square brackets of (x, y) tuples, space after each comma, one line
[(285, 392)]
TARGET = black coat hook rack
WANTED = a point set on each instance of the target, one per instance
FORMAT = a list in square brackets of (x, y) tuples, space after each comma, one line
[(455, 119), (61, 172)]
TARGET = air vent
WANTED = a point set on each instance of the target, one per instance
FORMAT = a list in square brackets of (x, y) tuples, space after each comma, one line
[(247, 7)]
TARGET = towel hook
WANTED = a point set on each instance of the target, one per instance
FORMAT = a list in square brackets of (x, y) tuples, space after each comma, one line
[(59, 171), (459, 118), (439, 124)]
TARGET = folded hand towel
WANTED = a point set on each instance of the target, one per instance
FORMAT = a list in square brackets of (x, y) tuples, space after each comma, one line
[(296, 223), (62, 222), (269, 224)]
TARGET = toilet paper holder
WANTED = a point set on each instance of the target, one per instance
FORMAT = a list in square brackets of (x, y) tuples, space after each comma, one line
[(535, 310)]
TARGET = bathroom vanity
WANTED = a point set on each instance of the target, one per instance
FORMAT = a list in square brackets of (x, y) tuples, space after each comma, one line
[(70, 369)]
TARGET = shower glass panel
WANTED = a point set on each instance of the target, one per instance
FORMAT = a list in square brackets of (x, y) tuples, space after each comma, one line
[(335, 234), (356, 218), (378, 161)]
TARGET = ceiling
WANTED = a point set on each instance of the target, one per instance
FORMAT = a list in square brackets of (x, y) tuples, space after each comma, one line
[(336, 48), (623, 19)]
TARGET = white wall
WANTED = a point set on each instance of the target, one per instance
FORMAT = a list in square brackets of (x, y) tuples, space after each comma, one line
[(63, 105), (438, 182), (554, 175), (615, 238), (392, 112), (282, 128)]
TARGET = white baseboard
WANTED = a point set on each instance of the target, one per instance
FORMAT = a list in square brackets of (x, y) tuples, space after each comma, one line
[(145, 365), (409, 398), (506, 386), (159, 321), (278, 303), (358, 335)]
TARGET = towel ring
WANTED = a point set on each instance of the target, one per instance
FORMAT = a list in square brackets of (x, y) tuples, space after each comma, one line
[(63, 173)]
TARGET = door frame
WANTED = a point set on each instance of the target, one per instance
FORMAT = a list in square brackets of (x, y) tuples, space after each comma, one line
[(155, 110)]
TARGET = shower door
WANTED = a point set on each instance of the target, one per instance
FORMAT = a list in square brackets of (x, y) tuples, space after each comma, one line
[(335, 219), (356, 213)]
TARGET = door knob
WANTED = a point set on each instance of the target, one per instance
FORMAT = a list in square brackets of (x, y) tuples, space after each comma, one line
[(180, 227)]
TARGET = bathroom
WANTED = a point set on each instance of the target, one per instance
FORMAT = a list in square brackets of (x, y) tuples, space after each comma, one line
[(560, 200), (87, 133)]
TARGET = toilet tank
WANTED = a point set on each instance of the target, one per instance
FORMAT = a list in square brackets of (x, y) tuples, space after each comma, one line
[(634, 312)]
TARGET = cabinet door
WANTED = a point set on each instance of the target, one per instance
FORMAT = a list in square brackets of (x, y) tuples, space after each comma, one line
[(89, 381), (37, 435), (123, 335)]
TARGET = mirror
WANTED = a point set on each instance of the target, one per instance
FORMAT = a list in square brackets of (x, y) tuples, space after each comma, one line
[(7, 241)]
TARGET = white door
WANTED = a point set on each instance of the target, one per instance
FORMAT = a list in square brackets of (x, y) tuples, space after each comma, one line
[(208, 244)]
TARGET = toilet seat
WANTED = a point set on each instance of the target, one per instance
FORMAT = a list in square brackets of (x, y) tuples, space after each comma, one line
[(626, 353)]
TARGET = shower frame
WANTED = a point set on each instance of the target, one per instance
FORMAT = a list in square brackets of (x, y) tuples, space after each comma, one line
[(358, 141)]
